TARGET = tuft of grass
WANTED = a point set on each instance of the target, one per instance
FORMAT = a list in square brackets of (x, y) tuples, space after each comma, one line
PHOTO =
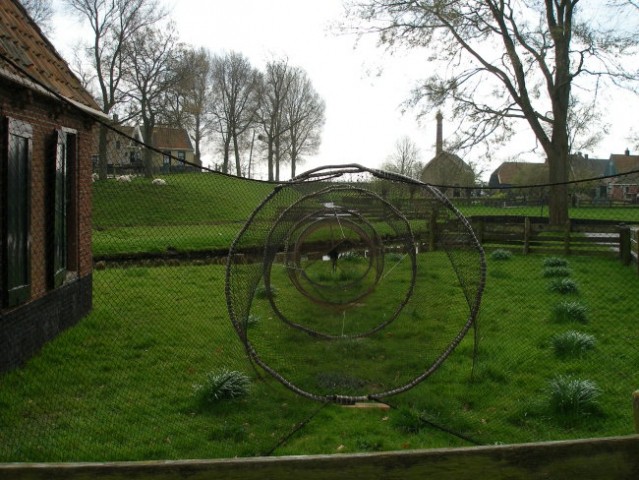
[(262, 293), (570, 396), (222, 385), (394, 257), (350, 256), (407, 420), (564, 286), (572, 344), (549, 272), (252, 320), (570, 312), (555, 262), (501, 254)]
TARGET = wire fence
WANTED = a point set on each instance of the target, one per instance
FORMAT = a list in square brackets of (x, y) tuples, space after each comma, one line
[(126, 324)]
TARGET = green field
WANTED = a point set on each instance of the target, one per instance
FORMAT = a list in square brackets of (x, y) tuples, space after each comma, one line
[(196, 212), (120, 385)]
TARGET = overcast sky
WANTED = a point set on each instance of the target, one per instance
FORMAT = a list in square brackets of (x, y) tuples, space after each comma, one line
[(363, 87)]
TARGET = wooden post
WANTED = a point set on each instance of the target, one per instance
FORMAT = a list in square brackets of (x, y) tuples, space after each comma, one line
[(625, 254), (567, 238), (526, 235), (635, 409), (432, 234), (480, 230)]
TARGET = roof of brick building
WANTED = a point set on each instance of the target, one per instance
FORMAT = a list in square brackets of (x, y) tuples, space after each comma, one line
[(39, 66)]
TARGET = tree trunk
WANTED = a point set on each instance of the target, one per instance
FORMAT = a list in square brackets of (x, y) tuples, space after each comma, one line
[(227, 148), (270, 160), (277, 159), (558, 198), (236, 151), (148, 153)]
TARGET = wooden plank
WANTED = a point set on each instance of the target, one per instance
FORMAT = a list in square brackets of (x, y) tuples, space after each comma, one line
[(609, 459)]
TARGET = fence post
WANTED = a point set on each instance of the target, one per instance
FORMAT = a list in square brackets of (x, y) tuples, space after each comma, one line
[(526, 235), (480, 230), (432, 233), (567, 238), (624, 244), (635, 409)]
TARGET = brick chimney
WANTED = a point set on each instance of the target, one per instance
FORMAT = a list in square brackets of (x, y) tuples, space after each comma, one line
[(439, 141)]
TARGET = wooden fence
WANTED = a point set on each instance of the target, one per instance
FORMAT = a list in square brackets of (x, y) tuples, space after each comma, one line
[(605, 459), (613, 458), (577, 237)]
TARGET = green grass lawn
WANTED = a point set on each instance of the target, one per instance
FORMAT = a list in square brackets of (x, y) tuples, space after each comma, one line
[(119, 385), (196, 212)]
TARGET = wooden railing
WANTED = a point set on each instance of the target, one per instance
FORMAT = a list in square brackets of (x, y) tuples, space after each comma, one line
[(605, 459), (534, 235)]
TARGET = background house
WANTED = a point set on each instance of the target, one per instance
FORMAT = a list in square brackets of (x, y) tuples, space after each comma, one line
[(620, 188), (625, 187), (45, 190), (447, 170), (172, 146), (176, 147)]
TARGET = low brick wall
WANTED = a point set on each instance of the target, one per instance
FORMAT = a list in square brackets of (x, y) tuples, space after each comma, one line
[(26, 329)]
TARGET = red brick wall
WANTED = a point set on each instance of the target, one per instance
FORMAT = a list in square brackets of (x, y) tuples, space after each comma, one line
[(45, 115)]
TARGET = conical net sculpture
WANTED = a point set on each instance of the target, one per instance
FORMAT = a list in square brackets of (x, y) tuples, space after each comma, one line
[(349, 284)]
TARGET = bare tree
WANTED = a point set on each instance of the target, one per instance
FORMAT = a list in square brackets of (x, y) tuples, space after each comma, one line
[(187, 104), (151, 63), (509, 61), (405, 159), (114, 24), (304, 112), (275, 87), (235, 100), (41, 12)]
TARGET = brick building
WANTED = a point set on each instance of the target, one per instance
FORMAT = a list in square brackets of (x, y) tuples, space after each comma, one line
[(46, 140)]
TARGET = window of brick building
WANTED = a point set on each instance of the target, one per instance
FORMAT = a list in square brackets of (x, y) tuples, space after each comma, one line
[(16, 210), (62, 215)]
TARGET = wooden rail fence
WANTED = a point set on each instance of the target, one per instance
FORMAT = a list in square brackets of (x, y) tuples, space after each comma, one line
[(577, 237), (606, 459)]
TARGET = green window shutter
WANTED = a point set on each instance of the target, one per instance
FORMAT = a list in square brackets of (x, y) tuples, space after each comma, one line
[(58, 205), (16, 222)]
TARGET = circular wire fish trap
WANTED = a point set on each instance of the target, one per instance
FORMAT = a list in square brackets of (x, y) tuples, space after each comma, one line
[(349, 284)]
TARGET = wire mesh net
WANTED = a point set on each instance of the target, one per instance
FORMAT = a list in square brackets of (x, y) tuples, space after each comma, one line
[(124, 298), (335, 275)]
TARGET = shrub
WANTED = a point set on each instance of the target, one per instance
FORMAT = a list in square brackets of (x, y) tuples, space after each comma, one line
[(223, 385), (556, 272), (570, 312), (501, 254), (572, 344), (564, 286), (555, 262), (570, 396)]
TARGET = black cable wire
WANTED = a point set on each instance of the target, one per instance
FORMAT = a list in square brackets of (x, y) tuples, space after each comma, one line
[(437, 426), (299, 426)]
